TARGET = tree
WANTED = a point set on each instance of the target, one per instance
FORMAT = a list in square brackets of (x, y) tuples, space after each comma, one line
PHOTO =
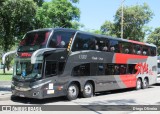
[(16, 17), (135, 19), (154, 38), (59, 13), (76, 25), (107, 28), (39, 2)]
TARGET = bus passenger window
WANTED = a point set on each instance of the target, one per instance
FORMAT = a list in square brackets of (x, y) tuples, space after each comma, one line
[(122, 69), (114, 46), (152, 51), (60, 39), (51, 68), (84, 42), (81, 70), (116, 70), (131, 69), (100, 69), (112, 49), (109, 69), (126, 47), (145, 50), (137, 49)]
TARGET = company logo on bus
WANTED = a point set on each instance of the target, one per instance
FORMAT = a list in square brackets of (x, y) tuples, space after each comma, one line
[(25, 54), (142, 68)]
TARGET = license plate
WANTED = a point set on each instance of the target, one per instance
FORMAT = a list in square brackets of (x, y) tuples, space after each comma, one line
[(21, 95)]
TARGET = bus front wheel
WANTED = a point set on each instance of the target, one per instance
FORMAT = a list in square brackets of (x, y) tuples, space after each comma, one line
[(87, 90), (72, 92)]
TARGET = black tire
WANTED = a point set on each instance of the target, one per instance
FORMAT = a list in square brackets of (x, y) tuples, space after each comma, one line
[(145, 83), (72, 92), (138, 84), (87, 90)]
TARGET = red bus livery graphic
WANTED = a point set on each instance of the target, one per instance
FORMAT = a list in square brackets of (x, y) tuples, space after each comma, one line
[(141, 68)]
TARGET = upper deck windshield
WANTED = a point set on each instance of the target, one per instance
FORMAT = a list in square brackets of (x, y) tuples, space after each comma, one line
[(33, 41), (38, 39)]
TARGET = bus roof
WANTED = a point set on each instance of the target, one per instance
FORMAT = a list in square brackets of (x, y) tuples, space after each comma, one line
[(97, 35)]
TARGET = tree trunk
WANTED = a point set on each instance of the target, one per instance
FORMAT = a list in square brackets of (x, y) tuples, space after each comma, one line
[(4, 69)]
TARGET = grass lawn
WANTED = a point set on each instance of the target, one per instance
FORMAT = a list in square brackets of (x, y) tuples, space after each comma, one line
[(7, 76)]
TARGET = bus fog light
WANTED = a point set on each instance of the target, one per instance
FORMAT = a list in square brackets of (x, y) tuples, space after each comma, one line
[(35, 93)]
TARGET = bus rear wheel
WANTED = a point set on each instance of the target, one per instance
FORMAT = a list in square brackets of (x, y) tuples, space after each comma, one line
[(145, 83), (138, 84), (87, 90), (72, 92)]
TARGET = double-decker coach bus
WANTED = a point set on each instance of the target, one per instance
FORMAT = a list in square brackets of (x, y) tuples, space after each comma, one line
[(64, 62)]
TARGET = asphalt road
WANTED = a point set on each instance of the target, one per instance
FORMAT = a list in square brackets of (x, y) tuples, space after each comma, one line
[(149, 96)]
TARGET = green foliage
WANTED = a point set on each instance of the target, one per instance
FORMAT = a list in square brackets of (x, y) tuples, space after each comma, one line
[(16, 17), (108, 28), (39, 2), (94, 31), (7, 76), (59, 13), (154, 38), (76, 25), (135, 19)]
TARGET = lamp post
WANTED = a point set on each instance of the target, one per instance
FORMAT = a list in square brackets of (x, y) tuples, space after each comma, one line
[(122, 18)]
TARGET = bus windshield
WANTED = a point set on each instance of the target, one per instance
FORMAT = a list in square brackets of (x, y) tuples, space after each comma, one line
[(26, 70), (33, 41)]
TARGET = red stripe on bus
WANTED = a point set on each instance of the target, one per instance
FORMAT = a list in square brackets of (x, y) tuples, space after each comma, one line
[(136, 42), (129, 80), (123, 58)]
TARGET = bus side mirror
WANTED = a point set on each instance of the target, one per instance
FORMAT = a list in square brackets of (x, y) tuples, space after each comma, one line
[(7, 54)]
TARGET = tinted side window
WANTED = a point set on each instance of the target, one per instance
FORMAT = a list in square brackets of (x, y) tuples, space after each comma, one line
[(145, 50), (137, 49), (152, 51), (114, 46), (51, 68), (131, 69), (126, 47), (60, 39), (103, 44), (100, 69), (81, 70), (84, 42)]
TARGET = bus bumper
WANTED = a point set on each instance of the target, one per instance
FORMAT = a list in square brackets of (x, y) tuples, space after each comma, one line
[(37, 93)]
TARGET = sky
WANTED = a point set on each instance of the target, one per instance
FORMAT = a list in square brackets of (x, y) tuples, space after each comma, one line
[(95, 12)]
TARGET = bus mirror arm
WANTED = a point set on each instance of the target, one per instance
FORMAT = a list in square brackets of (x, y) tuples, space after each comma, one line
[(39, 53), (6, 54)]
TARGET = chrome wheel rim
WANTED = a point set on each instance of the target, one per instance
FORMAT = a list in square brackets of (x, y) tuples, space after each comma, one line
[(138, 84), (88, 89), (145, 82), (72, 91)]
